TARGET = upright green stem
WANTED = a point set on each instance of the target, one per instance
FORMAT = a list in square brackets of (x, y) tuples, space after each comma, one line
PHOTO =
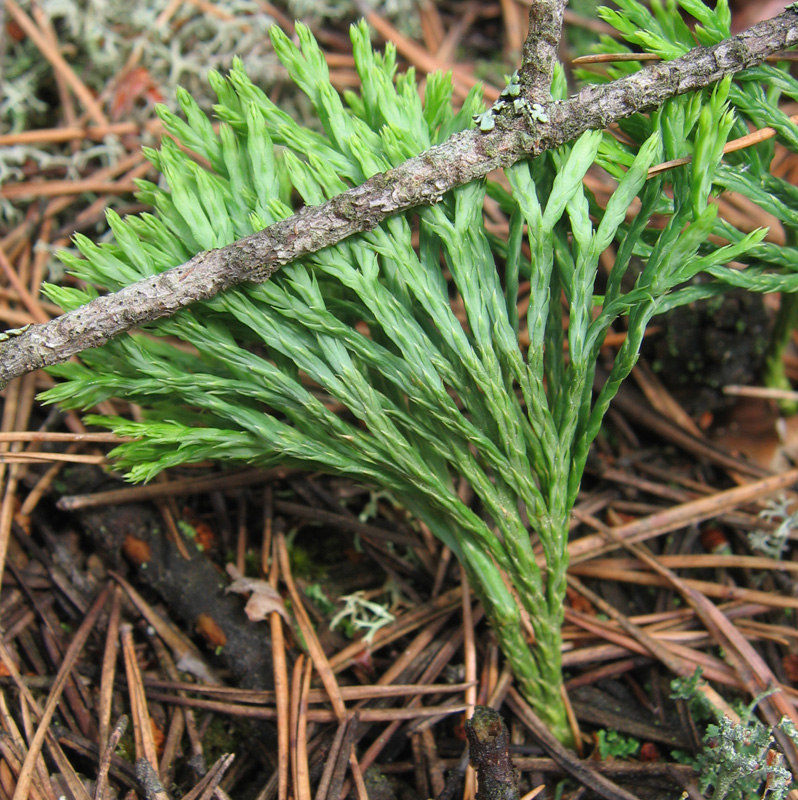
[(537, 666), (773, 370), (773, 373)]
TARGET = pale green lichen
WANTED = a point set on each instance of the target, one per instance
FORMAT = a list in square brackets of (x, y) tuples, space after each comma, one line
[(534, 113), (773, 543)]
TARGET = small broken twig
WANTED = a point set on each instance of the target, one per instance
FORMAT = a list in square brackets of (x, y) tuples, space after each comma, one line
[(489, 743)]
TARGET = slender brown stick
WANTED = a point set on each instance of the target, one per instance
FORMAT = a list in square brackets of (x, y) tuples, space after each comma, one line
[(204, 790), (750, 139), (311, 640), (56, 135), (280, 666), (67, 770), (361, 793), (749, 665), (109, 747), (108, 672), (332, 758), (677, 517), (657, 649), (35, 189), (64, 672), (293, 717), (342, 759), (142, 727), (470, 658), (302, 785)]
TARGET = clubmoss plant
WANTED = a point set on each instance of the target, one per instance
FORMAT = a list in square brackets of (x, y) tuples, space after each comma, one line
[(430, 399)]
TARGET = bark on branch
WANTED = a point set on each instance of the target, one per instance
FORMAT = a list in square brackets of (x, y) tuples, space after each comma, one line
[(422, 180), (540, 49), (489, 752)]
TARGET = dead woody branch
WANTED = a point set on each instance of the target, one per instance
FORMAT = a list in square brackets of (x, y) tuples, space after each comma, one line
[(489, 753), (467, 156)]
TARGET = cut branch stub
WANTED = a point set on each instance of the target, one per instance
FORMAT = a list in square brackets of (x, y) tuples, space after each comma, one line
[(489, 744)]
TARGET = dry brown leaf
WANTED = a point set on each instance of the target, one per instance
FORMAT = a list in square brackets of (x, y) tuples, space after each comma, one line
[(264, 598)]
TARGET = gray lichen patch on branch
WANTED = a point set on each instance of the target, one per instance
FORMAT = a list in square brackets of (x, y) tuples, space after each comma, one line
[(11, 332), (511, 97)]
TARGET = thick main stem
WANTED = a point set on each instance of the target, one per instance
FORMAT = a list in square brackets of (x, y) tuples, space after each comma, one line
[(773, 372), (537, 669), (536, 665)]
